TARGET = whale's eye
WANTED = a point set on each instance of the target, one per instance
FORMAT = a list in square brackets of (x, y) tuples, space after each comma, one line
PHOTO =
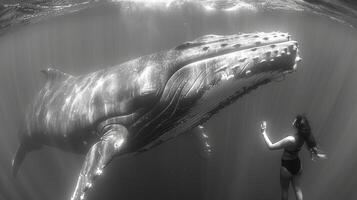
[(223, 45), (242, 59)]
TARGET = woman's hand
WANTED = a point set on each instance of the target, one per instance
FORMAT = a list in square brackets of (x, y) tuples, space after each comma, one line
[(317, 154), (263, 126)]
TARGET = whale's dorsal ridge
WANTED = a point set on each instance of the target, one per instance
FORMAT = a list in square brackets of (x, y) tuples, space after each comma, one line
[(55, 74)]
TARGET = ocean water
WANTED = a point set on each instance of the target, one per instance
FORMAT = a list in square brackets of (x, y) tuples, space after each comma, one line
[(241, 167)]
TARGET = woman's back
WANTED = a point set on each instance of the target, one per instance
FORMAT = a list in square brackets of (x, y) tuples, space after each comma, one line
[(291, 152)]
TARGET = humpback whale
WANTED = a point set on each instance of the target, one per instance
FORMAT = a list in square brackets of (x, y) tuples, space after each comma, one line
[(136, 105)]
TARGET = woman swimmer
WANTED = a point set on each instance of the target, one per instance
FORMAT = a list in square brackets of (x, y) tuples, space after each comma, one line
[(291, 170)]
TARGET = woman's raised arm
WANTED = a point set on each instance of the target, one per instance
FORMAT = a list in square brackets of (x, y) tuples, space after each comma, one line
[(285, 142)]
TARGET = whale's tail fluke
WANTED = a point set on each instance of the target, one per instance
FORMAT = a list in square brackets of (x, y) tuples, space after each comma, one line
[(24, 148), (18, 158)]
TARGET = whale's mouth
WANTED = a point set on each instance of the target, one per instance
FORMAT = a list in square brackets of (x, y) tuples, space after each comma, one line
[(273, 59), (240, 56)]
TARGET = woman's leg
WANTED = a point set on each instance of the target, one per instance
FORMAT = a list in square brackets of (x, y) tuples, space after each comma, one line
[(296, 186), (285, 178)]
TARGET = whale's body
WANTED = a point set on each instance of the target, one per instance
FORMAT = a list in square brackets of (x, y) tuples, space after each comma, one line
[(146, 101)]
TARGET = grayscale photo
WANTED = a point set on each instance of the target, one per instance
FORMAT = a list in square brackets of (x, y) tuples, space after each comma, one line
[(178, 99)]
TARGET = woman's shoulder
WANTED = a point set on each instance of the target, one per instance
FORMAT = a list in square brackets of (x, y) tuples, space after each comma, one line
[(291, 138)]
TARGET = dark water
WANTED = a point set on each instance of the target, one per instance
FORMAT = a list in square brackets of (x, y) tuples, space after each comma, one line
[(324, 87)]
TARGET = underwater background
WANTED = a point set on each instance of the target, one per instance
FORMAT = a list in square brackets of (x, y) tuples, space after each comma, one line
[(78, 37)]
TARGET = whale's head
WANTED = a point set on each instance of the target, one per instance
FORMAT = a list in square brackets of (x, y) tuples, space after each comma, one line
[(211, 72), (215, 70)]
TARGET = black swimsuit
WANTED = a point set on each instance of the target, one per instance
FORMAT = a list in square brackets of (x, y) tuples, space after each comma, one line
[(293, 165)]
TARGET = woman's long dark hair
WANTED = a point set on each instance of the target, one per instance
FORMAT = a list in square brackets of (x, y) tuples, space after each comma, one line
[(304, 130)]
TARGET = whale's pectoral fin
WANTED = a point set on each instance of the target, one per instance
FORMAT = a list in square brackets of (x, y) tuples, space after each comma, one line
[(204, 147), (99, 156)]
